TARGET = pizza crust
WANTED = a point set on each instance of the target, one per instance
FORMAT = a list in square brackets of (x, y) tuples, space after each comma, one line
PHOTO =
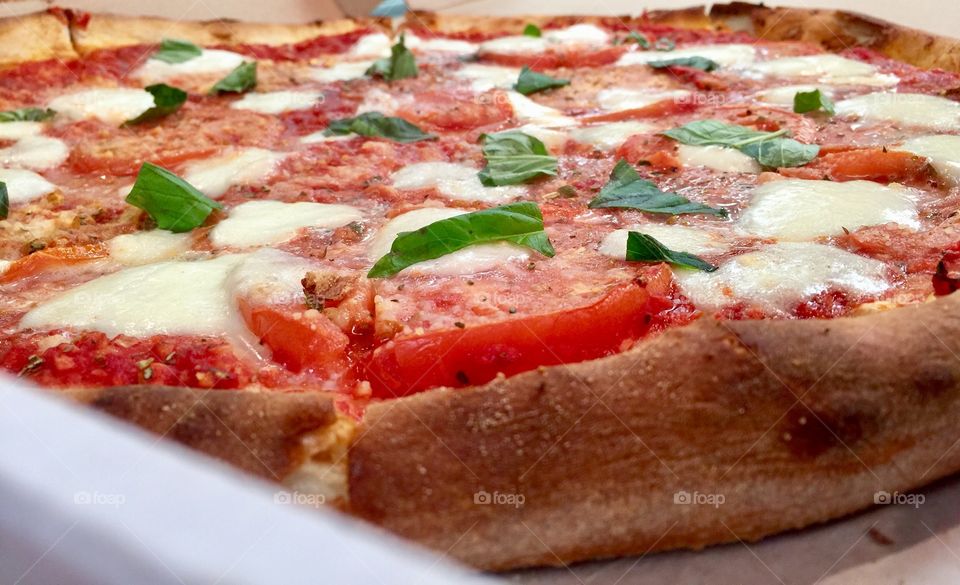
[(34, 37)]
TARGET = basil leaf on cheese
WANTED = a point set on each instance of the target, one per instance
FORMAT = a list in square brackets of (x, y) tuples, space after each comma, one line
[(513, 158), (166, 100), (174, 51), (664, 44), (173, 203), (781, 152), (626, 190), (644, 248), (27, 115), (399, 65), (532, 30), (638, 38), (377, 125), (694, 62), (4, 201), (242, 79), (519, 223), (811, 101), (531, 82)]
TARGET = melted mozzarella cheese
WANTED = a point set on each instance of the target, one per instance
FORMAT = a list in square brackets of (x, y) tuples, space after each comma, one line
[(147, 247), (453, 180), (112, 105), (440, 45), (469, 260), (260, 223), (167, 298), (269, 276), (23, 185), (4, 264), (321, 136), (209, 62), (377, 100), (783, 96), (801, 210), (214, 176), (718, 158), (17, 130), (612, 135), (943, 152), (35, 152), (340, 71), (909, 109), (724, 55), (572, 36), (552, 139), (486, 77), (372, 45), (827, 67), (619, 99), (530, 111), (779, 276), (676, 237), (276, 102)]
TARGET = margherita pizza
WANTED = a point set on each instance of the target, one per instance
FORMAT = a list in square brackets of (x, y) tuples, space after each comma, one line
[(523, 290)]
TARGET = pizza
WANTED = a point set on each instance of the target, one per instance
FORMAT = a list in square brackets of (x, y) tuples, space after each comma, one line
[(524, 290)]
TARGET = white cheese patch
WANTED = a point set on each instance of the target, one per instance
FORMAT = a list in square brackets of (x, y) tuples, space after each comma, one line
[(320, 136), (377, 100), (724, 55), (167, 298), (261, 223), (796, 209), (530, 111), (340, 71), (4, 264), (213, 176), (456, 181), (113, 105), (147, 247), (440, 45), (17, 130), (270, 276), (35, 152), (469, 260), (612, 135), (718, 158), (24, 185), (486, 77), (619, 99), (680, 238), (783, 96), (372, 45), (552, 139), (909, 109), (780, 276), (276, 102), (209, 62), (943, 152), (828, 68), (578, 35)]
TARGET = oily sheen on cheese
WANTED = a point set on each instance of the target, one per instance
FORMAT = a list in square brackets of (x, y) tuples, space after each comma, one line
[(113, 105), (725, 55), (214, 176), (456, 181), (943, 151), (676, 237), (260, 223), (210, 61), (907, 109)]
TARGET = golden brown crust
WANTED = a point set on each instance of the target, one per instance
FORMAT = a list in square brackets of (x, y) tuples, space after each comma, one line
[(790, 422), (34, 37)]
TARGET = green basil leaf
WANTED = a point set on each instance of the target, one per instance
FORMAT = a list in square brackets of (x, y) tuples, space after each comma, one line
[(173, 203), (695, 62), (519, 223), (4, 201), (174, 51), (399, 65), (639, 39), (644, 248), (531, 82), (532, 30), (664, 44), (626, 190), (166, 100), (377, 125), (717, 133), (811, 101), (27, 115), (781, 152), (514, 158), (242, 79)]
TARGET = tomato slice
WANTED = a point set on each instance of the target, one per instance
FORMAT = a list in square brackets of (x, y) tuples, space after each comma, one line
[(298, 339), (655, 110), (870, 164), (476, 354), (51, 258)]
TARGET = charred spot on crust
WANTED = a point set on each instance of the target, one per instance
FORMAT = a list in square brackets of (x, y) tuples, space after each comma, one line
[(934, 381), (809, 433)]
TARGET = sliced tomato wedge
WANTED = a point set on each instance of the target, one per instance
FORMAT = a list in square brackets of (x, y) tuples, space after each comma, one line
[(50, 259), (655, 110), (476, 354), (299, 340), (869, 164)]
